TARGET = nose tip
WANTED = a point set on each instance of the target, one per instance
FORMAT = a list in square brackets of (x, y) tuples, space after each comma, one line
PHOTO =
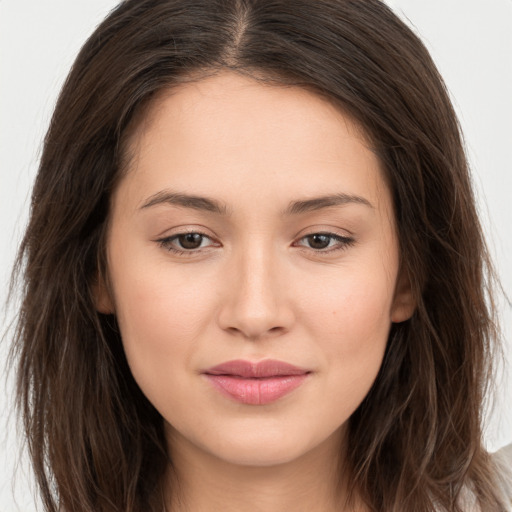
[(256, 304), (255, 314)]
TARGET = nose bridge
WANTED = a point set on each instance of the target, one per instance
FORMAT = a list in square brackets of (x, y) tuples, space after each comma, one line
[(256, 302)]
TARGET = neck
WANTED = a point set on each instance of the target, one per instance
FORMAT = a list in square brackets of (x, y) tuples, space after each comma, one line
[(202, 482)]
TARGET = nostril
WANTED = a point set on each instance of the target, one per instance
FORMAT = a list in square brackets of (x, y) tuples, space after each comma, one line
[(256, 333)]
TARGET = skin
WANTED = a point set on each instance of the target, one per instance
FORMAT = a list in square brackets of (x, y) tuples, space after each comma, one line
[(255, 287)]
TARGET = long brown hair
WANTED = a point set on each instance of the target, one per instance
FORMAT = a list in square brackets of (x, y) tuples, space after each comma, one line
[(415, 442)]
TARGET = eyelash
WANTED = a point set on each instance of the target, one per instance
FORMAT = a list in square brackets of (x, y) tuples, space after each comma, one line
[(167, 241), (343, 243)]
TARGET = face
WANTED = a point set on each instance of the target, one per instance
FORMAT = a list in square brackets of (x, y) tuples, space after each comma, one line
[(253, 224)]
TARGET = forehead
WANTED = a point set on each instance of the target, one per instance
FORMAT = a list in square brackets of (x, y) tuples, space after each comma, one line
[(232, 129), (228, 99)]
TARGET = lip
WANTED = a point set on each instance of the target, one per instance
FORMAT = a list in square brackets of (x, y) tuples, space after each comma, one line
[(256, 383)]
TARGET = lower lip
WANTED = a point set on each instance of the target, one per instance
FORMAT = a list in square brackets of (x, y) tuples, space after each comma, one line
[(256, 391)]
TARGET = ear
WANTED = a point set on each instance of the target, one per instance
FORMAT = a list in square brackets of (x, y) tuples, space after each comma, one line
[(102, 296), (404, 303)]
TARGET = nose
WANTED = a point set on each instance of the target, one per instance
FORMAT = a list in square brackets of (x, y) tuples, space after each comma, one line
[(256, 302)]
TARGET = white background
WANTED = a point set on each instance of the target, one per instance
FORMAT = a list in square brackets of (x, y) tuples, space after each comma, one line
[(471, 41)]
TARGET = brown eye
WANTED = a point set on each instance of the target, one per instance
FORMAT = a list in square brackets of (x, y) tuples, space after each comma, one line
[(190, 240), (325, 242), (186, 243), (319, 241)]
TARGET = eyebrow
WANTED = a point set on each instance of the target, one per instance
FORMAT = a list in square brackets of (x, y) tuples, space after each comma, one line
[(213, 206), (318, 203), (186, 201)]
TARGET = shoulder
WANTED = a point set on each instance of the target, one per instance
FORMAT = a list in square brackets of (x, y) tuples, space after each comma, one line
[(503, 461), (502, 478)]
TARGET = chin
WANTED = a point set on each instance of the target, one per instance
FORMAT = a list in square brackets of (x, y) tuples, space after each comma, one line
[(258, 456), (264, 450)]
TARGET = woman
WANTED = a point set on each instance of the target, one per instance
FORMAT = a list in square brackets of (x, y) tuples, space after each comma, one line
[(254, 272)]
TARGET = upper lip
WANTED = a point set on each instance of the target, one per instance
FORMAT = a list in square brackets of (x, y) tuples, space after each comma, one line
[(248, 369)]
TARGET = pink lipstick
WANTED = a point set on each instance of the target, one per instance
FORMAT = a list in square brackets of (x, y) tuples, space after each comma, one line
[(256, 383)]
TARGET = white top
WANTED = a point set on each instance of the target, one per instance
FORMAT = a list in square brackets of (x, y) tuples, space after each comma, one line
[(503, 459)]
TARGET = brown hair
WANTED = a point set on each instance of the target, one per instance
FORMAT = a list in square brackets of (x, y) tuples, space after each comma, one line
[(415, 442)]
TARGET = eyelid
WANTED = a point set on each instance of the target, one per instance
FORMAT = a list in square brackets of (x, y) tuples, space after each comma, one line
[(344, 241), (326, 229), (183, 229), (166, 240)]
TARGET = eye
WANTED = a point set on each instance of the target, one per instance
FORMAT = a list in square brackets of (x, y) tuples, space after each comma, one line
[(325, 242), (182, 243)]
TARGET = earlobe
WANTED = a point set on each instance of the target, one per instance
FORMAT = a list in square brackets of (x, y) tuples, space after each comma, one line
[(102, 297), (404, 302)]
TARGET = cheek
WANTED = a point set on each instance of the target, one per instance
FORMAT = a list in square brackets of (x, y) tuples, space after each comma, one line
[(152, 292), (351, 322), (162, 315), (354, 307)]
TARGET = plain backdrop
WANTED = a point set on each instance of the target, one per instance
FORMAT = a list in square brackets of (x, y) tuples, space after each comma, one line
[(470, 40)]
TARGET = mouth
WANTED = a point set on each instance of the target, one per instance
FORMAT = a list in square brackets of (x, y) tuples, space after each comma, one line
[(258, 383)]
